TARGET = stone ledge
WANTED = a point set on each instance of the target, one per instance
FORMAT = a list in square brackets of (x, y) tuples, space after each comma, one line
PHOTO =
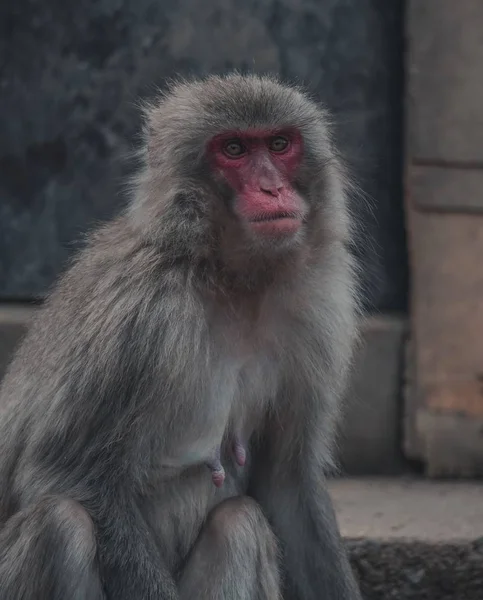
[(413, 539), (370, 440), (445, 188)]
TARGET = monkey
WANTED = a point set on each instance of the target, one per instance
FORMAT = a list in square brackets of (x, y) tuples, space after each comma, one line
[(167, 425)]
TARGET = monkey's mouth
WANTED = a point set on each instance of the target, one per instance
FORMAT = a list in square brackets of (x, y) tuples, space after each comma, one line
[(278, 223), (273, 216)]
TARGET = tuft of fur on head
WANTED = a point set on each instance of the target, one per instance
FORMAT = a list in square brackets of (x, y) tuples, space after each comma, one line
[(176, 203)]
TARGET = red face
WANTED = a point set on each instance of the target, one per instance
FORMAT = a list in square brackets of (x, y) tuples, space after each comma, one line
[(260, 167)]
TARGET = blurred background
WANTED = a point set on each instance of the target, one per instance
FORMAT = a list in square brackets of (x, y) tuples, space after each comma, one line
[(404, 81), (72, 73)]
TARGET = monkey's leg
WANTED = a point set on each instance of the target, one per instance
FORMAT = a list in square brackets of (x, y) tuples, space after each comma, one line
[(47, 552), (235, 557)]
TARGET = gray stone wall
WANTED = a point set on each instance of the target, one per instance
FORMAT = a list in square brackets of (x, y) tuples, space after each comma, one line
[(72, 71)]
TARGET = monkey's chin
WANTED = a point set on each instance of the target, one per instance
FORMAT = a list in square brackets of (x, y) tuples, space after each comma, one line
[(283, 227)]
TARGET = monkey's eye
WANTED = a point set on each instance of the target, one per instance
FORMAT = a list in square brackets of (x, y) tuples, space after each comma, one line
[(234, 148), (278, 143)]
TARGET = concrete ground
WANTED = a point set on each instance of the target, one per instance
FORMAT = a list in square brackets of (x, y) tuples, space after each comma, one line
[(413, 539)]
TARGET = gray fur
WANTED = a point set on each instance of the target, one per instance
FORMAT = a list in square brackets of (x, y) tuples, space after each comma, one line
[(172, 333)]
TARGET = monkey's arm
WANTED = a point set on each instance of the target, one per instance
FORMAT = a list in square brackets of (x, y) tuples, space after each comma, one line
[(88, 389), (290, 484)]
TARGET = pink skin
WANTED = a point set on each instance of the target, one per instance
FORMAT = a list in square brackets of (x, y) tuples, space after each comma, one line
[(239, 452), (263, 180), (215, 466)]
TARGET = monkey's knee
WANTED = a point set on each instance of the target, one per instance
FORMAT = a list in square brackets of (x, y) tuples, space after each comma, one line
[(56, 520), (247, 544), (48, 550), (70, 519), (240, 520)]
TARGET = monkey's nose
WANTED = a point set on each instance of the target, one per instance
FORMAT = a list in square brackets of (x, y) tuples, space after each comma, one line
[(272, 188)]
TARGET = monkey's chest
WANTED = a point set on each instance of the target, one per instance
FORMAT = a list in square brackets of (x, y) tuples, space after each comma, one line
[(233, 417), (230, 409)]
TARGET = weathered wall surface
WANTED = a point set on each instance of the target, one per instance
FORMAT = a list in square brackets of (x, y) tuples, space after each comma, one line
[(444, 206), (71, 73)]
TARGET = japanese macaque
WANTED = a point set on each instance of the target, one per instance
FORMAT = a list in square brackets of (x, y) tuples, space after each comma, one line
[(167, 424)]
